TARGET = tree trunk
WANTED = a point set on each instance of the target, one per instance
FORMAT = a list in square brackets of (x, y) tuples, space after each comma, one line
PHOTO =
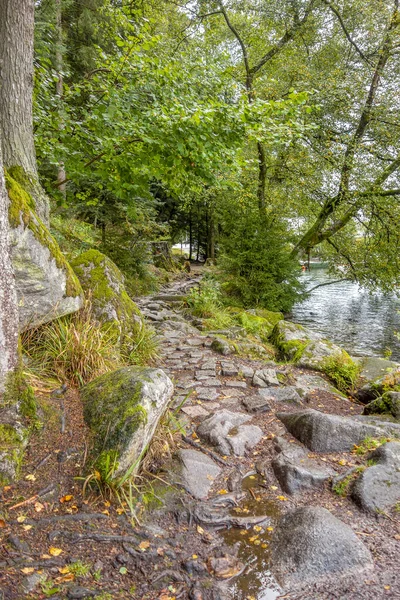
[(8, 296), (16, 86), (262, 178), (190, 235), (61, 174)]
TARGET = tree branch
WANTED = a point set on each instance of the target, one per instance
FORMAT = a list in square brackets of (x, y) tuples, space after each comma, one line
[(327, 283), (343, 26)]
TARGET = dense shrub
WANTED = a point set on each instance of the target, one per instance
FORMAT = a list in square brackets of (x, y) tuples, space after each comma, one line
[(256, 264)]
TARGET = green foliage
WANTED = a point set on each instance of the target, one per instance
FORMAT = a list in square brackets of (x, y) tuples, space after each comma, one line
[(74, 348), (79, 568), (343, 371), (256, 265), (369, 444)]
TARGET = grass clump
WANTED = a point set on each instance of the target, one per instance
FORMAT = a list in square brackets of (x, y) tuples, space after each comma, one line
[(343, 371), (206, 302), (73, 349), (369, 444), (79, 568)]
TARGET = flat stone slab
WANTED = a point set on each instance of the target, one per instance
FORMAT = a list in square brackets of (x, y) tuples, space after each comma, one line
[(195, 411), (246, 371), (314, 383), (378, 487), (322, 432), (374, 368), (282, 394), (205, 374), (226, 430), (256, 404), (236, 384), (310, 544), (229, 369), (265, 378), (210, 382), (207, 393)]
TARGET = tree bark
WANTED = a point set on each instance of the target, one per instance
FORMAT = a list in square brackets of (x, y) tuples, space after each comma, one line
[(8, 295), (16, 87)]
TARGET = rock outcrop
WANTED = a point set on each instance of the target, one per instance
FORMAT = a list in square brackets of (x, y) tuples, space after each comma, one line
[(310, 544), (227, 431), (46, 285), (112, 306), (321, 432), (123, 409)]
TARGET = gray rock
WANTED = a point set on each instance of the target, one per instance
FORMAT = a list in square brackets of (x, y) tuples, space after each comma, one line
[(123, 409), (226, 431), (198, 472), (378, 487), (282, 394), (195, 411), (265, 377), (236, 384), (310, 545), (221, 346), (256, 404), (229, 369), (295, 471), (314, 383), (47, 287), (246, 371), (30, 582), (374, 368), (207, 394), (322, 432)]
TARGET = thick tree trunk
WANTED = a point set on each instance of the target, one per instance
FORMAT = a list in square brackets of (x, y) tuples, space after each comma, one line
[(8, 296), (16, 85)]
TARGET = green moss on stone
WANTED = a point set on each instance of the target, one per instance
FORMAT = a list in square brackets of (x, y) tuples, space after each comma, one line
[(28, 406), (112, 408), (22, 208)]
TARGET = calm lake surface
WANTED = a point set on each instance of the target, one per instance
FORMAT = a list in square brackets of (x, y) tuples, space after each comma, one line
[(362, 323)]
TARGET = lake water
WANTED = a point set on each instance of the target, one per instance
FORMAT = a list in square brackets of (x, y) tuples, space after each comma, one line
[(362, 323)]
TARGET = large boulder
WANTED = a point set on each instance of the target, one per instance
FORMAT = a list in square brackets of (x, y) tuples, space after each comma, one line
[(123, 409), (322, 432), (305, 347), (377, 376), (46, 285), (227, 431), (197, 472), (112, 306), (378, 487), (310, 545)]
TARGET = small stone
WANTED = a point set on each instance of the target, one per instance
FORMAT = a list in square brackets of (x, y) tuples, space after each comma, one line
[(282, 394), (265, 378), (227, 431), (221, 346), (229, 369), (246, 371)]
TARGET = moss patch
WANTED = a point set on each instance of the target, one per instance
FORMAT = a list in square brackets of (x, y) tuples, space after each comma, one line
[(22, 209)]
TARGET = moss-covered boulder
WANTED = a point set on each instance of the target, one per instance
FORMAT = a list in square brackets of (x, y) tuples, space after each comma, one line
[(123, 409), (46, 285), (112, 305), (388, 404), (303, 346)]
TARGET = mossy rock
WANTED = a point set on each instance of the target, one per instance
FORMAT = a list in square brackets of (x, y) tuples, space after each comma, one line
[(113, 307), (123, 409), (46, 285), (388, 404)]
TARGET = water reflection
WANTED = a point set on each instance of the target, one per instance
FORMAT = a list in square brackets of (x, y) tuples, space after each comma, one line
[(362, 323)]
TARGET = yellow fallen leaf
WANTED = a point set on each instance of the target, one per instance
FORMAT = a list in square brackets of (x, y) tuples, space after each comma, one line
[(194, 556), (252, 539), (283, 498), (270, 528), (274, 487), (257, 528), (243, 532), (55, 551), (27, 527), (106, 512), (21, 518), (200, 530), (342, 462), (221, 492), (30, 477), (257, 542), (386, 587), (120, 511), (264, 545), (38, 506), (144, 545), (63, 570), (66, 498), (45, 556), (107, 503), (27, 570)]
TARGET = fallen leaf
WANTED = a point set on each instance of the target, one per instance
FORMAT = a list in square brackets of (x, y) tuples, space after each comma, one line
[(221, 492), (45, 556), (194, 556), (264, 545), (66, 498), (2, 523), (63, 570), (243, 532), (106, 512), (107, 503), (160, 551), (270, 528), (27, 570), (30, 477), (257, 542), (27, 527), (120, 511), (123, 570), (257, 528), (274, 487), (200, 530), (144, 545), (55, 551), (39, 506), (283, 498), (21, 518), (386, 587)]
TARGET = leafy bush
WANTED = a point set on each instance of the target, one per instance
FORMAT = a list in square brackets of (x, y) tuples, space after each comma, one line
[(206, 302), (342, 370), (256, 265)]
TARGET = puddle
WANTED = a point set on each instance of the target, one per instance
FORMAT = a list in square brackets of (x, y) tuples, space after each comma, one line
[(257, 581)]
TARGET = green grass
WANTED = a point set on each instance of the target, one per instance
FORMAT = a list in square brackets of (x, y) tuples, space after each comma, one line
[(369, 444), (343, 371)]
